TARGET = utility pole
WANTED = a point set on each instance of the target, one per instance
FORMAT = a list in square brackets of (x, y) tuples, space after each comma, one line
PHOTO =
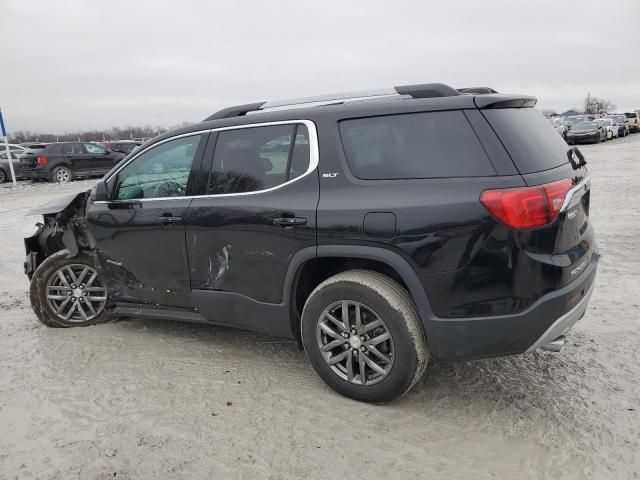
[(6, 147)]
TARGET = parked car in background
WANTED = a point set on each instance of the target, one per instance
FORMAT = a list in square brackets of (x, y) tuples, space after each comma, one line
[(586, 132), (5, 170), (559, 125), (634, 121), (611, 126), (122, 146), (622, 119), (17, 149), (605, 124), (62, 162)]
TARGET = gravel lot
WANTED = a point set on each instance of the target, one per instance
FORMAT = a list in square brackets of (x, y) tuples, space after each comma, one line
[(156, 399)]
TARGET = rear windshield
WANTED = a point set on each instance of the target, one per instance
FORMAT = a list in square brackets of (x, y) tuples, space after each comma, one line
[(417, 145), (631, 115), (532, 142)]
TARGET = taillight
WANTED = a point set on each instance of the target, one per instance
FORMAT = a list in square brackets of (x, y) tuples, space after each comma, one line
[(526, 207), (42, 160)]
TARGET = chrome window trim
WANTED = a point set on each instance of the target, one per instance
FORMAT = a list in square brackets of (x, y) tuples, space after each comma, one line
[(314, 158)]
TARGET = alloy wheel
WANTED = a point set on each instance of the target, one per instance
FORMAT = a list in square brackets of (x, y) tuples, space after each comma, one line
[(63, 175), (75, 294), (355, 342)]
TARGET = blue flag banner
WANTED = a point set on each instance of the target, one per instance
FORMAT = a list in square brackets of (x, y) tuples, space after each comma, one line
[(4, 132)]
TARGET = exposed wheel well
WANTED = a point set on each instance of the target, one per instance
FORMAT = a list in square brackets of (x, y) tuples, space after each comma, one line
[(317, 270)]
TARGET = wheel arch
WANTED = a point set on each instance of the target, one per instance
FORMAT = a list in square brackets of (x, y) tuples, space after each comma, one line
[(309, 267)]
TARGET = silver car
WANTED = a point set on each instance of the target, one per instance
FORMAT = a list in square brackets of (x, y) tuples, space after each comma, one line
[(5, 172)]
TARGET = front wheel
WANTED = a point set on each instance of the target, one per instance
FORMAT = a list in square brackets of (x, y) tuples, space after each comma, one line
[(363, 337), (67, 292), (3, 176), (61, 175)]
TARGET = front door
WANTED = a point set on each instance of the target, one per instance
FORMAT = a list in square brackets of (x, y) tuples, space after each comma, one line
[(258, 212), (140, 233), (101, 161)]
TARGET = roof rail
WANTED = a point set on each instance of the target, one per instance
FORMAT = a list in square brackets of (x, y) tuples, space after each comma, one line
[(236, 111), (426, 90), (477, 90)]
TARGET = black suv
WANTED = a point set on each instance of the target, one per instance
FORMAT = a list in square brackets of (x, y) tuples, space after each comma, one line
[(61, 162), (418, 221)]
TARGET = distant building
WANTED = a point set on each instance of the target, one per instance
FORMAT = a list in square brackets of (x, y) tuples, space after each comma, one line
[(570, 113)]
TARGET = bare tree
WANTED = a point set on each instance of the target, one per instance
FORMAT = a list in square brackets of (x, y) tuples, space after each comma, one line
[(597, 105), (114, 133)]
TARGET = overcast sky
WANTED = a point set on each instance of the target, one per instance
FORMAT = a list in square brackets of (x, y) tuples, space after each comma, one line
[(68, 65)]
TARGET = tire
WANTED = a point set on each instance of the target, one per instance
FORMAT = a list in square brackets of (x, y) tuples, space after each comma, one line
[(3, 176), (377, 297), (61, 175), (48, 291)]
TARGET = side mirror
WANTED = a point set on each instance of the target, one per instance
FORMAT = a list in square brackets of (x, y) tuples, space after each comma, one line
[(102, 192), (107, 152)]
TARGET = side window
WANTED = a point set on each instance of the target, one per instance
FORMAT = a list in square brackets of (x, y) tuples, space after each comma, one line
[(258, 158), (94, 149), (73, 149), (56, 149), (417, 145), (162, 171)]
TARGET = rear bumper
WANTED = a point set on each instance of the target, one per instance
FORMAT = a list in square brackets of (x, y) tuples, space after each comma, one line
[(34, 174), (547, 319)]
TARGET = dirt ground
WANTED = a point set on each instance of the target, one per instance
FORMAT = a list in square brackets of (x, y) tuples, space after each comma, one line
[(156, 399)]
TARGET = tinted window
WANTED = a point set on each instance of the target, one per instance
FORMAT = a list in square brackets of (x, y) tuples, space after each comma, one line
[(162, 171), (55, 149), (419, 145), (532, 143), (73, 149), (123, 147), (94, 149), (631, 115), (258, 158)]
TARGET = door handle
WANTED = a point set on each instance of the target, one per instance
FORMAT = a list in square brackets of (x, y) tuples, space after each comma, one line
[(168, 220), (289, 221)]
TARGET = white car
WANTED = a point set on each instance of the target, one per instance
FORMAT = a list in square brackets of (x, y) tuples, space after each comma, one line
[(610, 126), (560, 127)]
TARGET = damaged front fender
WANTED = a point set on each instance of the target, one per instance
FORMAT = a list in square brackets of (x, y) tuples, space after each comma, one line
[(63, 227)]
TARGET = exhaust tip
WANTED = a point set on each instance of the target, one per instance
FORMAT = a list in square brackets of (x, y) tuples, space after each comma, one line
[(556, 345)]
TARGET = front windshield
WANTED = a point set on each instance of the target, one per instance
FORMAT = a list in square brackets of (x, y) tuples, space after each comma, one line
[(586, 126)]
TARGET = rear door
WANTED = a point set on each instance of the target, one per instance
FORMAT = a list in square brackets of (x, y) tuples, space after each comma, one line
[(543, 158), (258, 212), (77, 158)]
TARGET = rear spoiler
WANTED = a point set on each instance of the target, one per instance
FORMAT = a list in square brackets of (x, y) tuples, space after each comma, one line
[(504, 101)]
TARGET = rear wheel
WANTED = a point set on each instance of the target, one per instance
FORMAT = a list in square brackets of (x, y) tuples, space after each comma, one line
[(363, 337), (61, 175), (67, 292)]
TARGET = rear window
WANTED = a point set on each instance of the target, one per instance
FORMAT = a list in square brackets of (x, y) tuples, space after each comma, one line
[(417, 145), (532, 143)]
